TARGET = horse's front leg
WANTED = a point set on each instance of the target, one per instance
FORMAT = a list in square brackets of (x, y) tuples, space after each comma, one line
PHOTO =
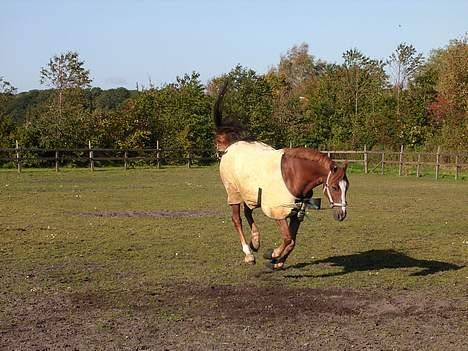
[(255, 238), (237, 221), (288, 233)]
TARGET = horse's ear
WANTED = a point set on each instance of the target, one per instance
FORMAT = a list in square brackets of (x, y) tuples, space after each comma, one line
[(345, 165)]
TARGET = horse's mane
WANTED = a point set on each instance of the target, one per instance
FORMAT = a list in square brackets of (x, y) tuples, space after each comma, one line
[(309, 154), (235, 132)]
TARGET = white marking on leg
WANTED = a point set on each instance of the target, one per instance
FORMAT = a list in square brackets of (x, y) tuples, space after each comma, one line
[(246, 249)]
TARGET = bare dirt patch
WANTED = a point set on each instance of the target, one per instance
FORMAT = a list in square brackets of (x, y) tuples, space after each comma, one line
[(151, 214), (191, 317)]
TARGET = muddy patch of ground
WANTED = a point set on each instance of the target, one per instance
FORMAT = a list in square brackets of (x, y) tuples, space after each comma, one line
[(150, 214), (191, 317)]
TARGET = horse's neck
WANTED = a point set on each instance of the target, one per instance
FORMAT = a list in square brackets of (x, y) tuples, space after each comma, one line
[(318, 173), (302, 176)]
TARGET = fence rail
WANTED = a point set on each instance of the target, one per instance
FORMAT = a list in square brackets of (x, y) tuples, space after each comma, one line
[(372, 161)]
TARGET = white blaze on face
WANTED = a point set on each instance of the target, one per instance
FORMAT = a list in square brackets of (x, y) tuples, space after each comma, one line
[(343, 184)]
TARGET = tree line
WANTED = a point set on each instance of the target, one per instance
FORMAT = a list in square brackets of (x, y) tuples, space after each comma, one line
[(406, 99)]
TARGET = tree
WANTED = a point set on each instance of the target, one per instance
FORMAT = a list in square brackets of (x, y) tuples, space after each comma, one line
[(61, 124), (452, 87), (177, 114), (187, 114), (294, 84), (65, 72), (453, 78), (416, 126), (249, 101), (7, 127), (297, 66), (403, 63), (6, 88), (355, 97), (111, 99), (363, 75), (120, 128)]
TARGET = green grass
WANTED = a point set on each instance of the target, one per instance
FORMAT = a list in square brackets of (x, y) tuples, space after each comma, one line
[(402, 232)]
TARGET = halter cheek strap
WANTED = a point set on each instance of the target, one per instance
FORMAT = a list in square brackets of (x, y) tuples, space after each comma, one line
[(326, 190)]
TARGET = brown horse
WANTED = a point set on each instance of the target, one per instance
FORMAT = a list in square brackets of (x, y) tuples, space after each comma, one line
[(281, 182)]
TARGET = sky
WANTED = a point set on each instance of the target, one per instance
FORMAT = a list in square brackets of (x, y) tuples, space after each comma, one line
[(123, 42)]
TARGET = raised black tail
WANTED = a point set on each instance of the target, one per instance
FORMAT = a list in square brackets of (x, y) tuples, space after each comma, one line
[(218, 117)]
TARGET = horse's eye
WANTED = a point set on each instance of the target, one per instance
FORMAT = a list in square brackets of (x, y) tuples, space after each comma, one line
[(335, 188)]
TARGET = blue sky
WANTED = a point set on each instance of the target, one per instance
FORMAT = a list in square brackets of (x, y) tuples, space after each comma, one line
[(127, 41)]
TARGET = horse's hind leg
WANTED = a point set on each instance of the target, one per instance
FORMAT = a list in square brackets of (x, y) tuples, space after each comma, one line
[(237, 221), (255, 238)]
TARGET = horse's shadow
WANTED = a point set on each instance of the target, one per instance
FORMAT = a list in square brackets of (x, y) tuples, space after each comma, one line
[(374, 260)]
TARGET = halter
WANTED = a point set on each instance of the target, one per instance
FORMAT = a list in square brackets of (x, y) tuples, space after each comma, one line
[(326, 189)]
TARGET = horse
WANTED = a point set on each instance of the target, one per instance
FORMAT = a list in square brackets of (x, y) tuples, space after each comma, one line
[(280, 182)]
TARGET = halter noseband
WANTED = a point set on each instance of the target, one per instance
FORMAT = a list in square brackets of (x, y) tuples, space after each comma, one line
[(326, 189)]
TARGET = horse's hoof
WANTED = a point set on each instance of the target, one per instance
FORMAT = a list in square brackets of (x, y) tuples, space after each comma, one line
[(274, 265), (254, 245), (255, 242), (249, 259), (268, 255)]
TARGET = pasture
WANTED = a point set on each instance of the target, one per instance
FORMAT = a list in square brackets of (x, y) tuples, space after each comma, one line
[(147, 259)]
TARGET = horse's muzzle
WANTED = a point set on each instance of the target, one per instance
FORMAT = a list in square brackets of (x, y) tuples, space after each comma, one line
[(339, 213)]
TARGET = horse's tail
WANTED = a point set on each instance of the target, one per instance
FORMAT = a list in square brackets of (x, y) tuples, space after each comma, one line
[(218, 117)]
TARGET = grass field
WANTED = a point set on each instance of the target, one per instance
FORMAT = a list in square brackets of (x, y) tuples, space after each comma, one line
[(130, 259)]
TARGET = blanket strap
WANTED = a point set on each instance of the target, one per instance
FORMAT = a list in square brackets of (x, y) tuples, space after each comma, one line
[(300, 209)]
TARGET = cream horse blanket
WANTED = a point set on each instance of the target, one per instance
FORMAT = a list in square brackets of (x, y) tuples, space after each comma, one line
[(251, 173)]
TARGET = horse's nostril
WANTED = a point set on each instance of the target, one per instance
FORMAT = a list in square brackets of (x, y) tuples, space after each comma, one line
[(339, 214), (336, 214)]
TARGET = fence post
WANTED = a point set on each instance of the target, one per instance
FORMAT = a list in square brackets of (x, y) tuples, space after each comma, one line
[(56, 161), (91, 160), (189, 163), (125, 160), (418, 165), (18, 158), (400, 167), (383, 163), (366, 162), (437, 166), (456, 167), (158, 157)]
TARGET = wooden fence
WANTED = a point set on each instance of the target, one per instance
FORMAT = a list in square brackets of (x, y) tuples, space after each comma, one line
[(379, 161), (371, 161)]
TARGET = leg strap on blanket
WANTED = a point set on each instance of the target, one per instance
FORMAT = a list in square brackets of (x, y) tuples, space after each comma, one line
[(300, 209)]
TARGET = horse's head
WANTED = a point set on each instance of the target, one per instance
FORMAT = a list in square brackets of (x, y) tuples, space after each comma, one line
[(335, 188)]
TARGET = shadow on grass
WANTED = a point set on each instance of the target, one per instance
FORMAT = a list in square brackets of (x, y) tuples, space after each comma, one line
[(376, 260)]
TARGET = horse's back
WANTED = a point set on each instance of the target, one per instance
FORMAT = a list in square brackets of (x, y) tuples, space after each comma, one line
[(251, 173)]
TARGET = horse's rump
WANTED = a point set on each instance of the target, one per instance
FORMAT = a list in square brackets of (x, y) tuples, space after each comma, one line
[(251, 173)]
